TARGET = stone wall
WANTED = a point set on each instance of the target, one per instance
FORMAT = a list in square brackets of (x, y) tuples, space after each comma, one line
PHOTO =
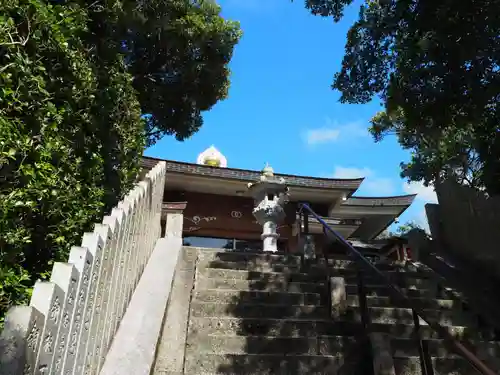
[(72, 319), (467, 224)]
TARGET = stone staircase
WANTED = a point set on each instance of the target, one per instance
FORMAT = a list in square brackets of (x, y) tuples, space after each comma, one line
[(261, 313)]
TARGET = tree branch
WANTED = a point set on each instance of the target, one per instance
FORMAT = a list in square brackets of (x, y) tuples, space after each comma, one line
[(21, 42)]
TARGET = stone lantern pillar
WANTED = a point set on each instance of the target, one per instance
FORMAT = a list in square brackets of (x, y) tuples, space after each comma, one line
[(270, 195)]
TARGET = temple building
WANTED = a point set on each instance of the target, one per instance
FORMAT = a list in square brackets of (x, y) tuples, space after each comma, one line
[(219, 203)]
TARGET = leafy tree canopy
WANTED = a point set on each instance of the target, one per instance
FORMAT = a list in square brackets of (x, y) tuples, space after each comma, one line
[(403, 229), (178, 53), (71, 134), (75, 78), (436, 67), (400, 231)]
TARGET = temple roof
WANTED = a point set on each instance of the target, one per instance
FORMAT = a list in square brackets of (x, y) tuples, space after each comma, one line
[(347, 184), (376, 213), (249, 175)]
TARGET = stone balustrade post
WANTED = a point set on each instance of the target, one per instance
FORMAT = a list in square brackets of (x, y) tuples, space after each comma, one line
[(174, 218), (338, 297)]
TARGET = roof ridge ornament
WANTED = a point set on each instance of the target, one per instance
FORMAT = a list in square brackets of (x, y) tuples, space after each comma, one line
[(212, 157), (268, 171)]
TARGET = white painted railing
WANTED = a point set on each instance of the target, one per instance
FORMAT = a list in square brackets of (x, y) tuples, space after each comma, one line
[(71, 320)]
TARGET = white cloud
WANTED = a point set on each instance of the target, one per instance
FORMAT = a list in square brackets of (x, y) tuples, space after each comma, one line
[(355, 130), (379, 186), (372, 184), (424, 193), (322, 135), (421, 220), (333, 132), (348, 172)]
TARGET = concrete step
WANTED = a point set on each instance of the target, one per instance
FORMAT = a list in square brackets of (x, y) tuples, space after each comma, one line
[(409, 347), (439, 348), (351, 263), (260, 276), (261, 364), (385, 291), (378, 301), (450, 318), (222, 344), (394, 315), (254, 310), (407, 283), (441, 366), (343, 256), (453, 293), (262, 285), (272, 273), (488, 351), (411, 275), (407, 331), (390, 315), (310, 327), (234, 256), (272, 327), (249, 297), (247, 266), (341, 266)]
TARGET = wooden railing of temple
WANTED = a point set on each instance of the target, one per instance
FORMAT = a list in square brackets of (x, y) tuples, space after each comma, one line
[(71, 320)]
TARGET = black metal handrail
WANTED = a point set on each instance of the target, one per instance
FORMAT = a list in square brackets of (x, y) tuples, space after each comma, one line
[(473, 360)]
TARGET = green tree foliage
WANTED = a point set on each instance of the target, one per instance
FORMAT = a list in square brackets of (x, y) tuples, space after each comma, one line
[(451, 153), (178, 53), (436, 67), (71, 136), (75, 78), (400, 231), (405, 228)]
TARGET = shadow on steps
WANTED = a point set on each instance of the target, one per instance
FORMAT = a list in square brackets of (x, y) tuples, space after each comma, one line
[(276, 320)]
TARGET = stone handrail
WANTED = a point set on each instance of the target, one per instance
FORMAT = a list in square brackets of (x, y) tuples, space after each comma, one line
[(72, 319)]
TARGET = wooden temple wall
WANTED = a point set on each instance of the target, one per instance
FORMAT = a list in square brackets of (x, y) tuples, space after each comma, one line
[(210, 215)]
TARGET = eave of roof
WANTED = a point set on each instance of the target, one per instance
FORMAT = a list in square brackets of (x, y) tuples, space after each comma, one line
[(250, 175), (399, 200), (401, 203)]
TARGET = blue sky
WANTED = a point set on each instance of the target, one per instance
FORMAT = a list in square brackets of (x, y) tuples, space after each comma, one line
[(282, 110)]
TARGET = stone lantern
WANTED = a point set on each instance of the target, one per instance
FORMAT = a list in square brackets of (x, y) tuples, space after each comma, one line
[(270, 195)]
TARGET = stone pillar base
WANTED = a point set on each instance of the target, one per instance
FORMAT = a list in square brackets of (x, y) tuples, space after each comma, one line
[(269, 237), (270, 244)]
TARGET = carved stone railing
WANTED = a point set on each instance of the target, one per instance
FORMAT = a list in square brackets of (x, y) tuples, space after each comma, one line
[(72, 319)]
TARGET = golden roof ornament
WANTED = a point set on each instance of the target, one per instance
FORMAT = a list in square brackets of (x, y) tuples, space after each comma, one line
[(212, 157), (211, 161), (268, 171)]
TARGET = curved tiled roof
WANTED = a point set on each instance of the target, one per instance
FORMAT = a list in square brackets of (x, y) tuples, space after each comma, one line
[(249, 175), (401, 200)]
